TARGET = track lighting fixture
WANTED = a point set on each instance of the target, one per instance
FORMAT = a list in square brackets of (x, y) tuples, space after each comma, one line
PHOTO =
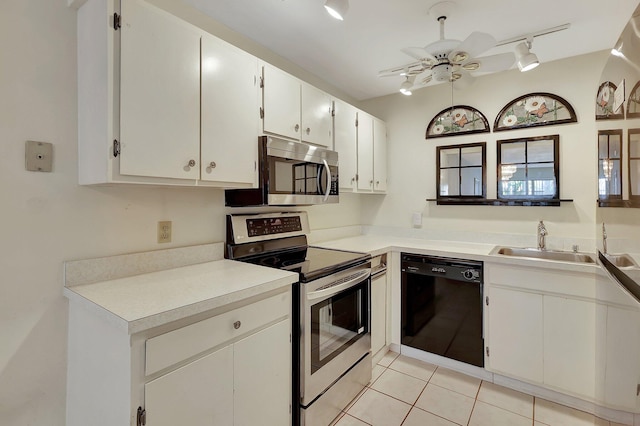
[(337, 8), (526, 60)]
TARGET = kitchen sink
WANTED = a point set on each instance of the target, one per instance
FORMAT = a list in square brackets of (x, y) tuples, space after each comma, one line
[(562, 256), (621, 260)]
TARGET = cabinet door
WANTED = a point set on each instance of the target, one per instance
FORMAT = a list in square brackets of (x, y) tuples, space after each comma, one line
[(569, 345), (262, 384), (365, 151), (345, 142), (379, 155), (200, 393), (230, 113), (622, 375), (159, 94), (281, 103), (378, 313), (516, 334), (316, 116)]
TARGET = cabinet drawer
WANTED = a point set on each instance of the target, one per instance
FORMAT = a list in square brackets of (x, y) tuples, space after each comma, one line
[(181, 344)]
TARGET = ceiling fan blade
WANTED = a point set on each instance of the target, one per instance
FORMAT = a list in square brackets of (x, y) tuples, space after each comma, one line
[(411, 69), (421, 54), (493, 63), (474, 45), (465, 81)]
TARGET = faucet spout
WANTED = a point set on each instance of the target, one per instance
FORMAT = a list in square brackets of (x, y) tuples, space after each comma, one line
[(604, 239), (542, 233)]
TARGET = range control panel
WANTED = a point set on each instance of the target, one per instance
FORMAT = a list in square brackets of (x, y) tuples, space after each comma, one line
[(273, 225)]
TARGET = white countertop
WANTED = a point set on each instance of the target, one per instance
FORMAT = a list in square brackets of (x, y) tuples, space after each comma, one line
[(148, 300), (378, 244)]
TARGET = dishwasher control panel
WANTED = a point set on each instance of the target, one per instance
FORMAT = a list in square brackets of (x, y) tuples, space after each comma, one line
[(454, 269)]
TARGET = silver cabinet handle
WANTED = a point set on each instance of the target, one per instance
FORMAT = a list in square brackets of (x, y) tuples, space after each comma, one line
[(191, 163), (237, 325), (371, 182), (308, 130), (213, 164), (297, 127)]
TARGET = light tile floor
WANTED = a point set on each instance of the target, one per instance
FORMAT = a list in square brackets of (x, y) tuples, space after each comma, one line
[(408, 392)]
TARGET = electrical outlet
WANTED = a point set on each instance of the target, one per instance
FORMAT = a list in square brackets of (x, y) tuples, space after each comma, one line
[(164, 231)]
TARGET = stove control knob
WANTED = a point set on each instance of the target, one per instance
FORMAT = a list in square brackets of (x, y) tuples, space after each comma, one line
[(470, 274)]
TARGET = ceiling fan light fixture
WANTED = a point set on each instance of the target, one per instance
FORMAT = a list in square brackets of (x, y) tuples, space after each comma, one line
[(337, 8), (405, 87), (526, 60)]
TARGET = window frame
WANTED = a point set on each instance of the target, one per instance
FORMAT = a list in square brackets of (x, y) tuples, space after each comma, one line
[(632, 196), (460, 147), (609, 133), (526, 140)]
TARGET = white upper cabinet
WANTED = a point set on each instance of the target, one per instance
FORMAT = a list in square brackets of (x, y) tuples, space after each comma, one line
[(365, 152), (372, 154), (280, 103), (379, 155), (345, 143), (294, 109), (159, 94), (316, 116), (230, 113)]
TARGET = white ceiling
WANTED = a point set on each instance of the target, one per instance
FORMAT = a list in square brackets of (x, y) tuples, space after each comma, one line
[(348, 54)]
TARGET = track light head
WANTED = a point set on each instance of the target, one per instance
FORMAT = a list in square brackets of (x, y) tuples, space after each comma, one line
[(337, 8), (526, 60)]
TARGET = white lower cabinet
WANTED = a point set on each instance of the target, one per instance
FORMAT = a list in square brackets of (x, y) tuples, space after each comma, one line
[(570, 345), (622, 374), (262, 377), (515, 326), (378, 313), (200, 393), (244, 383), (547, 328), (230, 367)]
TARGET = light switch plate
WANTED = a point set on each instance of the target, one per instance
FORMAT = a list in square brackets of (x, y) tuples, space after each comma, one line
[(416, 218), (38, 156)]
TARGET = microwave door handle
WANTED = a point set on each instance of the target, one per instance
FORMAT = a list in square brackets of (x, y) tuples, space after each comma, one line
[(326, 195)]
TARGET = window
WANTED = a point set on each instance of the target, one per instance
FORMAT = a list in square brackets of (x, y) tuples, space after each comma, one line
[(461, 171), (634, 164), (529, 168), (610, 164)]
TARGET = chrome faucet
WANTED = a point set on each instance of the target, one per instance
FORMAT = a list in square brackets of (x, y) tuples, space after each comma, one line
[(542, 233), (604, 239)]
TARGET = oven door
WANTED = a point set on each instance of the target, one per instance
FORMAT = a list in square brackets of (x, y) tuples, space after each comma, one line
[(335, 332)]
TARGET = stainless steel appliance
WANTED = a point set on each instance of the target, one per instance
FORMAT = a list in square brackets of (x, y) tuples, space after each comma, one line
[(441, 301), (290, 173), (331, 309)]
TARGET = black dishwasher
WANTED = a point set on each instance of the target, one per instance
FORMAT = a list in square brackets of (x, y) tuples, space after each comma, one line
[(442, 307)]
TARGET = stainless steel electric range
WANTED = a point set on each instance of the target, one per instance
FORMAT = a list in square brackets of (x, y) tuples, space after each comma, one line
[(331, 309)]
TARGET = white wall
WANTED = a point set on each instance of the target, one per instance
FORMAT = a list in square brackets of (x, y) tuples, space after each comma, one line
[(47, 218), (412, 175)]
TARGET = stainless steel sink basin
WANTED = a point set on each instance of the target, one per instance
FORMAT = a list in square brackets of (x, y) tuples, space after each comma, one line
[(621, 260), (562, 256)]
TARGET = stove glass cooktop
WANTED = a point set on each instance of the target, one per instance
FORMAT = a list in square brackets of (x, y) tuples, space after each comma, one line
[(310, 262)]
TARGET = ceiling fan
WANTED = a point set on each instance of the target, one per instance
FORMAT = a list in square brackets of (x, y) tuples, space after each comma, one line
[(448, 60)]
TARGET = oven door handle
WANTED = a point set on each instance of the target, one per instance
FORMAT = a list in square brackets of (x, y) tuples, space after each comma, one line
[(326, 167), (338, 286)]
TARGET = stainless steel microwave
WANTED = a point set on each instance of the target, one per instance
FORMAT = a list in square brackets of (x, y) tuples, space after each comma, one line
[(290, 174)]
